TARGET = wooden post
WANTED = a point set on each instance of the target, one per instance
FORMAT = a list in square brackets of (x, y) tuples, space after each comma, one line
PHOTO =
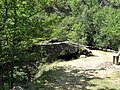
[(117, 59), (113, 59)]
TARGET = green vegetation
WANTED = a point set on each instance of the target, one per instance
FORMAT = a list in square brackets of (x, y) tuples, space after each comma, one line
[(25, 22)]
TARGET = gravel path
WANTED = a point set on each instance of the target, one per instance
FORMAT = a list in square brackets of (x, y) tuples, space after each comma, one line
[(100, 60)]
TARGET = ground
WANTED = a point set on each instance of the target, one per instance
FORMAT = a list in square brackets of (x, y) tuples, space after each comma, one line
[(91, 73)]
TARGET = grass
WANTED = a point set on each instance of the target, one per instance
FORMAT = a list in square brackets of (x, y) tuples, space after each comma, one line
[(61, 79), (105, 84), (111, 82)]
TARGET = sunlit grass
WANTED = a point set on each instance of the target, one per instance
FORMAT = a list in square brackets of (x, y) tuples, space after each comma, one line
[(111, 82), (105, 84)]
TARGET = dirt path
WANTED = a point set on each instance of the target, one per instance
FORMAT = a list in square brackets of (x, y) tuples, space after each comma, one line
[(91, 73), (90, 62)]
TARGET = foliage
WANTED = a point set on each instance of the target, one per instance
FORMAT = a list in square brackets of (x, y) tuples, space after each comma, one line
[(108, 35)]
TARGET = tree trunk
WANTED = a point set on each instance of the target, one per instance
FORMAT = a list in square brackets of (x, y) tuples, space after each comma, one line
[(13, 46)]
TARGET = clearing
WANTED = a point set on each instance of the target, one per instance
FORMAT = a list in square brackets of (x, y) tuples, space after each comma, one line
[(90, 73)]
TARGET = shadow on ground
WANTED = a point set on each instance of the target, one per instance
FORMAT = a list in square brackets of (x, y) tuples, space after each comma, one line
[(61, 79)]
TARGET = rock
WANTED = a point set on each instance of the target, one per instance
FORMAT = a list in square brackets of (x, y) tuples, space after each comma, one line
[(17, 88), (86, 52), (104, 49), (53, 40), (104, 2), (82, 56), (108, 50), (92, 47), (52, 51)]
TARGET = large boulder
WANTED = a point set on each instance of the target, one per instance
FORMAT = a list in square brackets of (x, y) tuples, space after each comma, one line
[(51, 51)]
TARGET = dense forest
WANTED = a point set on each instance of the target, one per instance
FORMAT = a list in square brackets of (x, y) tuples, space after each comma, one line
[(25, 22)]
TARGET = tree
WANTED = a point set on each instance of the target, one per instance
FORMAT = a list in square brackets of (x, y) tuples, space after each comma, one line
[(108, 35)]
